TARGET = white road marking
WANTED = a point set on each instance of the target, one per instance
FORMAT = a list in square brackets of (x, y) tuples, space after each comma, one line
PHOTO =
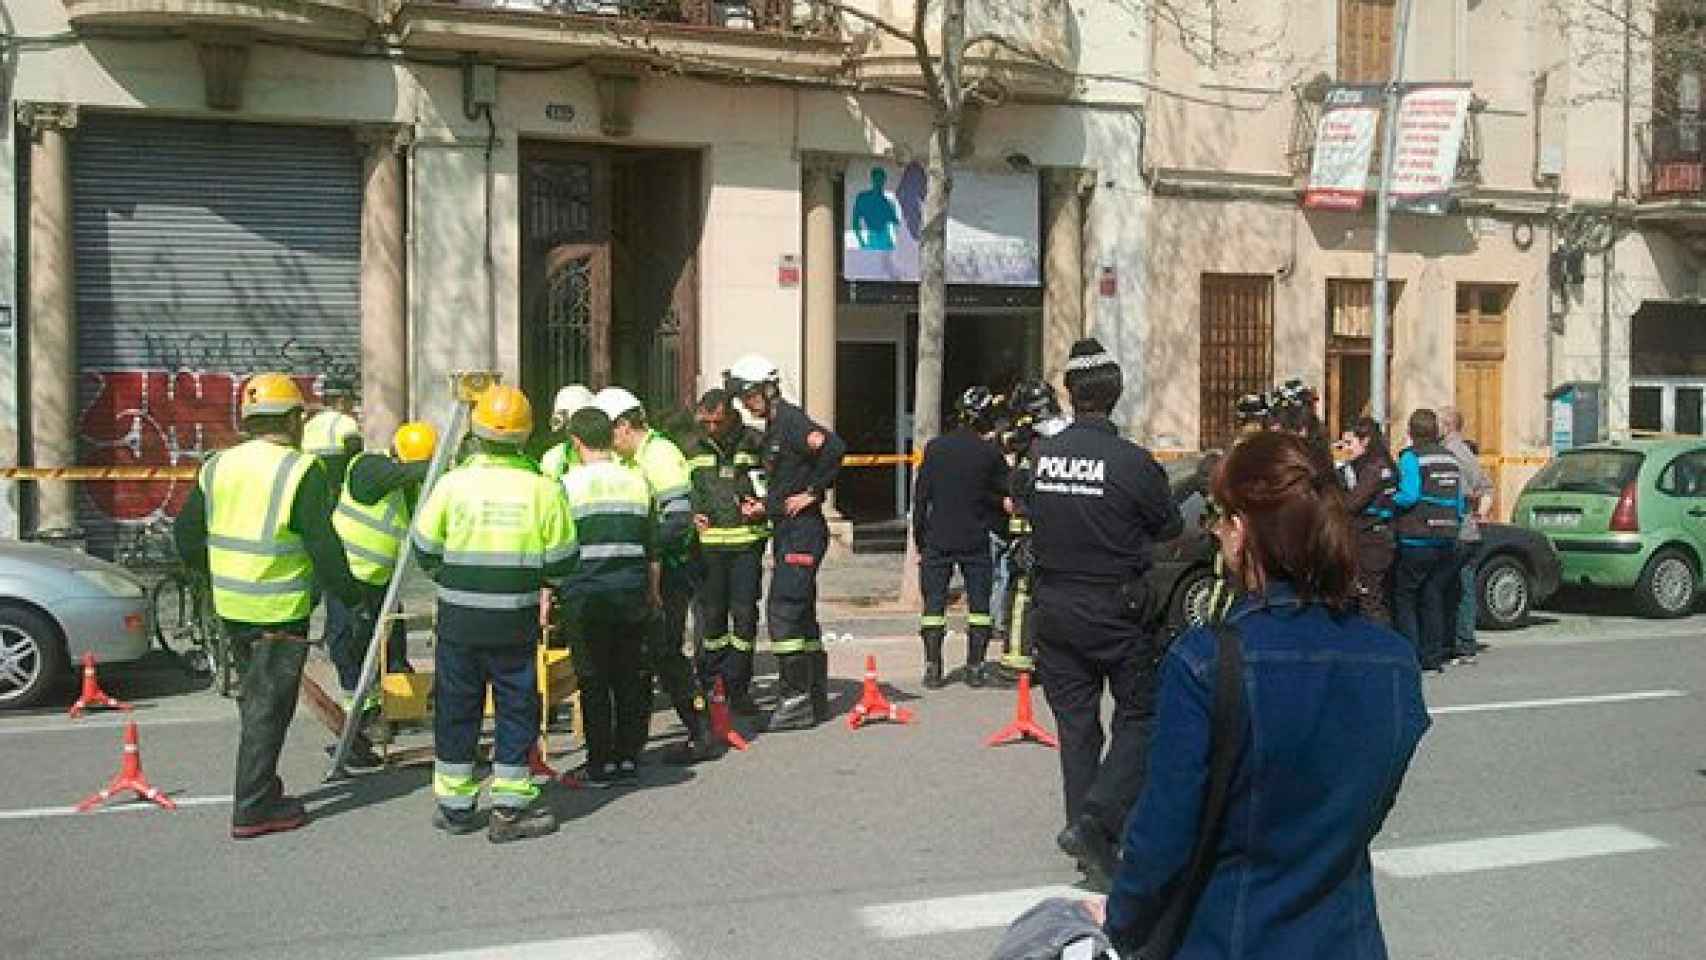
[(112, 722), (1516, 850), (40, 813), (1559, 702), (977, 911), (638, 945)]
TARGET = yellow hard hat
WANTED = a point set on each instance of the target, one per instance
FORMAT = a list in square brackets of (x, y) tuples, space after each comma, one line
[(270, 394), (503, 415), (414, 441)]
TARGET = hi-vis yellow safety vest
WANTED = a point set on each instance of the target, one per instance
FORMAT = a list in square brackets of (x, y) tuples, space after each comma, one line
[(373, 534), (260, 569), (326, 432)]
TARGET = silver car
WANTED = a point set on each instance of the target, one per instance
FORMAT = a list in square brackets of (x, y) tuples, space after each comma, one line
[(56, 605)]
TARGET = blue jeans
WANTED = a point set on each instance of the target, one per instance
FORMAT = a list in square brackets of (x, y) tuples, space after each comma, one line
[(348, 637), (998, 586), (459, 692), (1468, 557)]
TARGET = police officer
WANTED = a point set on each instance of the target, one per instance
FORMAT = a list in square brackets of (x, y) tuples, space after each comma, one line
[(560, 458), (1431, 507), (612, 599), (492, 534), (801, 460), (665, 470), (956, 504), (372, 519), (729, 515), (1098, 503), (260, 519)]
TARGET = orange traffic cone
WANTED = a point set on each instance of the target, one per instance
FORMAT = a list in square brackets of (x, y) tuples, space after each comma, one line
[(93, 695), (722, 728), (129, 777), (873, 705), (1024, 725)]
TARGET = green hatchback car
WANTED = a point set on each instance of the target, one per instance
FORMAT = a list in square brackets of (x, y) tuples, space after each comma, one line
[(1626, 515)]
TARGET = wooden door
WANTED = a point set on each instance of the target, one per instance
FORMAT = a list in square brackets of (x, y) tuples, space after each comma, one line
[(1237, 357), (1481, 330), (1366, 34), (566, 270)]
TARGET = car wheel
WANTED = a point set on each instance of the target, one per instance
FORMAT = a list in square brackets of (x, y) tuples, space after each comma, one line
[(1504, 593), (1667, 586), (32, 657), (1192, 601)]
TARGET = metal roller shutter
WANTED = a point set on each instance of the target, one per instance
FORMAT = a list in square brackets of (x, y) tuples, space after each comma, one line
[(206, 252)]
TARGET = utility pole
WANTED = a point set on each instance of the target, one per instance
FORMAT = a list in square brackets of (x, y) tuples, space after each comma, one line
[(1383, 227)]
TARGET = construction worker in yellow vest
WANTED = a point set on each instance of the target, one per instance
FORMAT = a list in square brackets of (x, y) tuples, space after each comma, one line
[(333, 434), (612, 600), (260, 520), (561, 458), (372, 519), (666, 473), (494, 535)]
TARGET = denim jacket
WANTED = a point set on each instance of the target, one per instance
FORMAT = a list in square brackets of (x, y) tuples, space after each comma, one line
[(1333, 712)]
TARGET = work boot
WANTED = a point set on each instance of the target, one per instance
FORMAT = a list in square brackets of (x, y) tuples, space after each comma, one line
[(283, 814), (1099, 860), (527, 823), (976, 678), (457, 823), (696, 748), (361, 758), (743, 704), (819, 663), (794, 701), (1069, 842), (977, 645), (932, 637)]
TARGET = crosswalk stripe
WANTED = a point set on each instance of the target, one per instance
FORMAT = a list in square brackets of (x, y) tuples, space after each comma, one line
[(977, 911), (635, 945), (1558, 702), (1515, 850)]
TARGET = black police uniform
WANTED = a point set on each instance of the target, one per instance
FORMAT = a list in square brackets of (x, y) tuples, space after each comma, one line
[(726, 472), (956, 506), (799, 456), (1098, 503)]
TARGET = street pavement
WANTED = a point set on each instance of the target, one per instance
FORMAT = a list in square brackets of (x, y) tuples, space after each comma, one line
[(1557, 809)]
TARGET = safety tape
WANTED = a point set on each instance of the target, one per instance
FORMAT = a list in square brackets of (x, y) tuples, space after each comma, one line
[(881, 459), (98, 473)]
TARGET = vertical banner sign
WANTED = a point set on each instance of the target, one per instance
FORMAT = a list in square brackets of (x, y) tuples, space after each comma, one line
[(1344, 146), (1431, 120)]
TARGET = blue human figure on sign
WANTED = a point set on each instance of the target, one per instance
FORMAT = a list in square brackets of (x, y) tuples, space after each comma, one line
[(874, 217)]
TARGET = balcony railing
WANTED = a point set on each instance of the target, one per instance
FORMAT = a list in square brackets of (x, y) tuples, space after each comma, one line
[(1300, 152), (774, 16), (1673, 160)]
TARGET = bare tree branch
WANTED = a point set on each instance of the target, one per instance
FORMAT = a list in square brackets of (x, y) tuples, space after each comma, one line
[(869, 18), (1023, 52), (921, 52)]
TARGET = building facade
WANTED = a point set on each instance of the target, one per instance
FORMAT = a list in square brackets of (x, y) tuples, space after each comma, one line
[(391, 190), (1568, 246)]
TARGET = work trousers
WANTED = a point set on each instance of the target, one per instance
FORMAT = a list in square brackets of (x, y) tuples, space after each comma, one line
[(1468, 567), (798, 545), (663, 656), (935, 572), (998, 585), (347, 646), (1375, 552), (266, 703), (615, 699), (728, 615), (1085, 644), (1424, 599), (459, 692)]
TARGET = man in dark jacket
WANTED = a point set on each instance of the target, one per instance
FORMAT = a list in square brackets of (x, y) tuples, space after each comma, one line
[(1099, 503), (956, 505), (726, 469)]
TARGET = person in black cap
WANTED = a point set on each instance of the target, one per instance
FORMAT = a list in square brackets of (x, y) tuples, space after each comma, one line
[(1097, 503)]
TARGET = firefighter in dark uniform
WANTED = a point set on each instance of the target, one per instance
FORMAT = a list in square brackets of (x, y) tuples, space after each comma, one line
[(1098, 503), (801, 460), (1034, 413), (729, 515), (956, 503)]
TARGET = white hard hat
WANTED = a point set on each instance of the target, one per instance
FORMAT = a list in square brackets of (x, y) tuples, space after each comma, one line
[(615, 402), (752, 370), (571, 400)]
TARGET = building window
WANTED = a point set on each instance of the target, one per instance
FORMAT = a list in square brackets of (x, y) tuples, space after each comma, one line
[(1237, 358), (1350, 349), (1366, 29)]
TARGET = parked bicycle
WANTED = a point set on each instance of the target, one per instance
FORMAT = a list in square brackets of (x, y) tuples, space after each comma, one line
[(180, 605)]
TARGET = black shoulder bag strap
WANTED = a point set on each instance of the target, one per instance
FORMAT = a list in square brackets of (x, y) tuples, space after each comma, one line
[(1225, 740)]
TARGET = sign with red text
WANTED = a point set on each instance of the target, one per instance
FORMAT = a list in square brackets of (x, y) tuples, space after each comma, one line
[(1431, 121), (1344, 146)]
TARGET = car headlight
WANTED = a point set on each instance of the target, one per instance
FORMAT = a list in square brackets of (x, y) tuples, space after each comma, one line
[(112, 583)]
